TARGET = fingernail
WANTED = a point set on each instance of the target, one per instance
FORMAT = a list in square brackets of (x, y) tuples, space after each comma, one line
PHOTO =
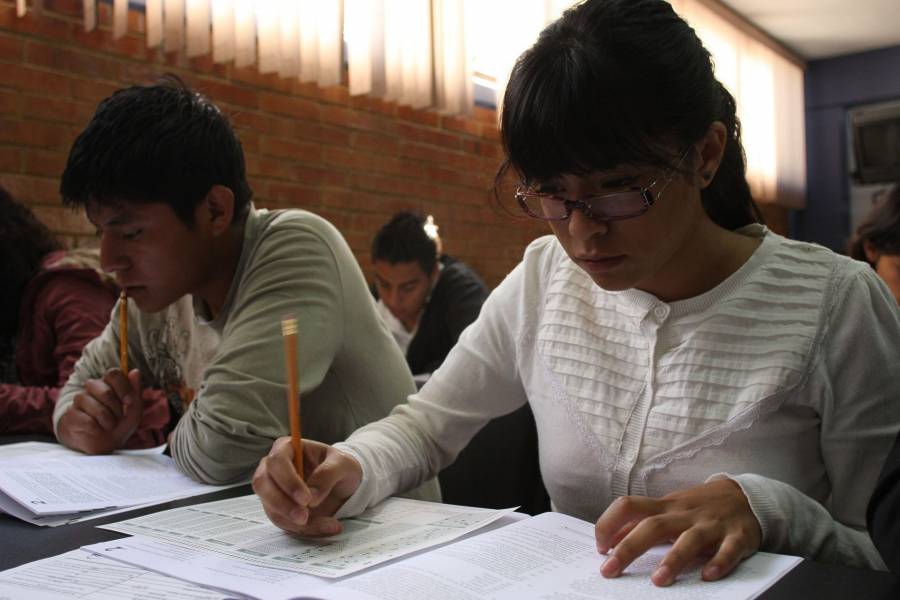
[(331, 528), (314, 498), (298, 515), (611, 567), (301, 497), (712, 572), (602, 549), (662, 575)]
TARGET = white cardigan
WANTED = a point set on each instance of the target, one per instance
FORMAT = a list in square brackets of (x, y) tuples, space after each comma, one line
[(784, 377)]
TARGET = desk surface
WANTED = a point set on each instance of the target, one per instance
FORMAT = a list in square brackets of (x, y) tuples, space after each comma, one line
[(21, 543)]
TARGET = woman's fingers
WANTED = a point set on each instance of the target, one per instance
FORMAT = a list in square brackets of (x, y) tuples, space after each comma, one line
[(650, 532), (731, 552), (620, 513), (687, 549)]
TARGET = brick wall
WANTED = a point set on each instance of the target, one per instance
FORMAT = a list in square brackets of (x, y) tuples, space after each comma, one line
[(354, 161)]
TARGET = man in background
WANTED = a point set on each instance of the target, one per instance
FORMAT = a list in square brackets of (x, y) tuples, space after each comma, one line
[(427, 299)]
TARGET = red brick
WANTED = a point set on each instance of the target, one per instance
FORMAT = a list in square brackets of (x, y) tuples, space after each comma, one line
[(9, 102), (261, 123), (485, 115), (323, 134), (427, 135), (227, 93), (58, 110), (28, 189), (421, 116), (71, 62), (374, 141), (41, 162), (292, 195), (46, 25), (348, 117), (93, 91), (71, 8), (11, 48), (291, 149), (63, 219), (461, 124), (10, 159), (27, 78), (102, 39), (269, 81), (34, 133), (291, 106)]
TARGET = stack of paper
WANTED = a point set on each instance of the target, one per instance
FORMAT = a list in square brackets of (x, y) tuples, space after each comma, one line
[(400, 550), (47, 484)]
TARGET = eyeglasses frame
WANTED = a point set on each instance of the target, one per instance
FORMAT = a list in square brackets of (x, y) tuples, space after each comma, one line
[(570, 205)]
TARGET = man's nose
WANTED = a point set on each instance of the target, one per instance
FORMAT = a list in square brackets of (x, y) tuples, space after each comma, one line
[(112, 259)]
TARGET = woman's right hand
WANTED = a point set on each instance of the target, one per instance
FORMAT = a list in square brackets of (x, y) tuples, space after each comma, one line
[(306, 507)]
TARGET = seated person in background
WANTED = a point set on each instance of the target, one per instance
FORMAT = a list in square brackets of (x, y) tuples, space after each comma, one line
[(426, 298), (160, 173), (695, 378), (877, 240), (52, 303), (884, 511)]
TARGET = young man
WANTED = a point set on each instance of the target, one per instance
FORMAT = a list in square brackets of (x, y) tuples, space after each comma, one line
[(427, 299), (209, 278)]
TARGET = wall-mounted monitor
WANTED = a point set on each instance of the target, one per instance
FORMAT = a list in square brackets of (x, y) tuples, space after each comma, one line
[(876, 142)]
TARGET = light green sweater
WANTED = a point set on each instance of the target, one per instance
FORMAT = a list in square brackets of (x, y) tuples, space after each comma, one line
[(351, 371)]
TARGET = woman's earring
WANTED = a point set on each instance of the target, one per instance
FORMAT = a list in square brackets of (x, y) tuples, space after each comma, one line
[(707, 176)]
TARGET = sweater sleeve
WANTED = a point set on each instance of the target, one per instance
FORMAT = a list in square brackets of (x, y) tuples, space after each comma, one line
[(855, 385), (477, 382), (241, 408), (68, 312)]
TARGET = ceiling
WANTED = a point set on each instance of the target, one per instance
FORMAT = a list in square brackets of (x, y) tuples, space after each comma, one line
[(817, 29)]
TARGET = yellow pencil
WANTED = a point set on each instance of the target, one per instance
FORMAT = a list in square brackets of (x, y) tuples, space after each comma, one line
[(123, 332), (289, 335), (123, 337)]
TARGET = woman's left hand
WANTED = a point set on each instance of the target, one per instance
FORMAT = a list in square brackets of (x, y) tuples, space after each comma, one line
[(713, 519)]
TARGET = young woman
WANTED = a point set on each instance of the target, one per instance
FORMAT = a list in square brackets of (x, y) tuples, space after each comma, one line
[(52, 303), (693, 376), (877, 240)]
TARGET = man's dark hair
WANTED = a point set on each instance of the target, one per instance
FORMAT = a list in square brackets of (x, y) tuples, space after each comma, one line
[(403, 239), (881, 228), (157, 143), (24, 242)]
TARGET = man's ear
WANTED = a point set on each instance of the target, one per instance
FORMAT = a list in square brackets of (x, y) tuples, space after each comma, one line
[(216, 211), (711, 149), (871, 253)]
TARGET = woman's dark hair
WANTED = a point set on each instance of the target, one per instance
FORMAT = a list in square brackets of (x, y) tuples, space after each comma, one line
[(158, 143), (403, 239), (616, 82), (881, 228), (24, 242)]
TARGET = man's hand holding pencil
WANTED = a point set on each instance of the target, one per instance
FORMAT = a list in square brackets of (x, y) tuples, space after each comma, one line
[(109, 410)]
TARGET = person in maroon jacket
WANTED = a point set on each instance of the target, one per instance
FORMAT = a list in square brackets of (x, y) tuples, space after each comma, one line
[(52, 303)]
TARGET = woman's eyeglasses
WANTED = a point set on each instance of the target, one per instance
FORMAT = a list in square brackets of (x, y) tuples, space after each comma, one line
[(623, 204)]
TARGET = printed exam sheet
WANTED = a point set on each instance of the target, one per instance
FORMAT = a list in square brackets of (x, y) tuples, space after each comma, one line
[(239, 528)]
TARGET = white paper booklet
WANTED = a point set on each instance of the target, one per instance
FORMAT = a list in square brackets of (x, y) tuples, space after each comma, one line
[(548, 557), (85, 576), (239, 528), (47, 484)]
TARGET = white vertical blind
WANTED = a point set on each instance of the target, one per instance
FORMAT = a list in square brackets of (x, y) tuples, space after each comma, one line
[(197, 21), (120, 18), (89, 7), (768, 89), (412, 52)]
